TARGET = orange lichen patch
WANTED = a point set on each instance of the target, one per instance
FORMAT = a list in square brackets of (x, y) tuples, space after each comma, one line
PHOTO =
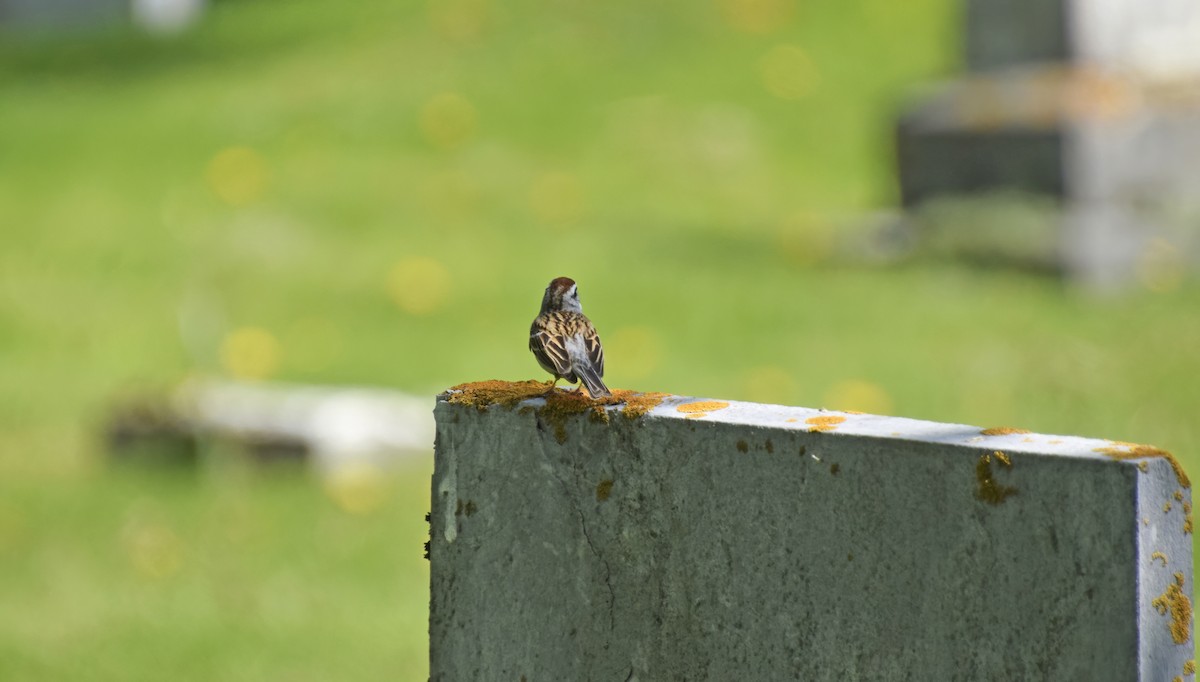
[(1054, 442), (1166, 507), (793, 419), (1189, 667), (560, 404), (700, 409), (1160, 556), (604, 490), (1180, 608), (638, 404), (1123, 451), (825, 423), (853, 412), (743, 447), (1143, 467), (702, 406), (483, 394), (1187, 517), (989, 490), (1178, 495), (1002, 431)]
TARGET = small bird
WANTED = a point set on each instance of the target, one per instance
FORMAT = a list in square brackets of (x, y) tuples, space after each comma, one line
[(564, 341)]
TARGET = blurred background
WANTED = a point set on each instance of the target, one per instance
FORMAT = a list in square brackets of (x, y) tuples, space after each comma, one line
[(376, 194)]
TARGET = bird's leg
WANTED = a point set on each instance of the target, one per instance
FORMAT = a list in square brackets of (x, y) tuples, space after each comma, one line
[(552, 385)]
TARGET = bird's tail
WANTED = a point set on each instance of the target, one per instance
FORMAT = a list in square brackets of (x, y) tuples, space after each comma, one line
[(595, 385)]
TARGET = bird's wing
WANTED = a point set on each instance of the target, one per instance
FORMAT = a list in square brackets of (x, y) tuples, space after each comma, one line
[(550, 349)]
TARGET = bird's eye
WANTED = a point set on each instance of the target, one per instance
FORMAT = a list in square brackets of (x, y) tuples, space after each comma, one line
[(575, 294)]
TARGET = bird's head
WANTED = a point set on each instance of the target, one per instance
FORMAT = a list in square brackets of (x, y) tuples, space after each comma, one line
[(562, 294)]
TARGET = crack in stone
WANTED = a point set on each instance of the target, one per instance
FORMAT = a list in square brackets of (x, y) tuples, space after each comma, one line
[(612, 595), (587, 536)]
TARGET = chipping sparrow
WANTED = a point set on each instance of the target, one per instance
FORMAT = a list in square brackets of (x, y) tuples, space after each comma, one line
[(564, 341)]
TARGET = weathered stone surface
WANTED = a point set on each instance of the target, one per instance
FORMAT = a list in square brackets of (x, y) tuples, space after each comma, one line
[(751, 542)]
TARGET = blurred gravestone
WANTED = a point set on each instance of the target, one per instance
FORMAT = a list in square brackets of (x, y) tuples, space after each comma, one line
[(1096, 104), (46, 14), (156, 16), (335, 428)]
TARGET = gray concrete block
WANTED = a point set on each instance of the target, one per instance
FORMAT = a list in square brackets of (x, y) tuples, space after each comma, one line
[(736, 541), (1014, 33), (1156, 38)]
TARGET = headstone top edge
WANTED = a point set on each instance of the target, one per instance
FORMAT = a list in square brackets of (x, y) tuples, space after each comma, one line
[(626, 404)]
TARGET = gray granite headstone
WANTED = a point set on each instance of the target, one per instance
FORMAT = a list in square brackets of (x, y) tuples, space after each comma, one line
[(737, 541)]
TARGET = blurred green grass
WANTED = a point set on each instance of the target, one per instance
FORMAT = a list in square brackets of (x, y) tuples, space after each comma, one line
[(234, 577), (382, 190)]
